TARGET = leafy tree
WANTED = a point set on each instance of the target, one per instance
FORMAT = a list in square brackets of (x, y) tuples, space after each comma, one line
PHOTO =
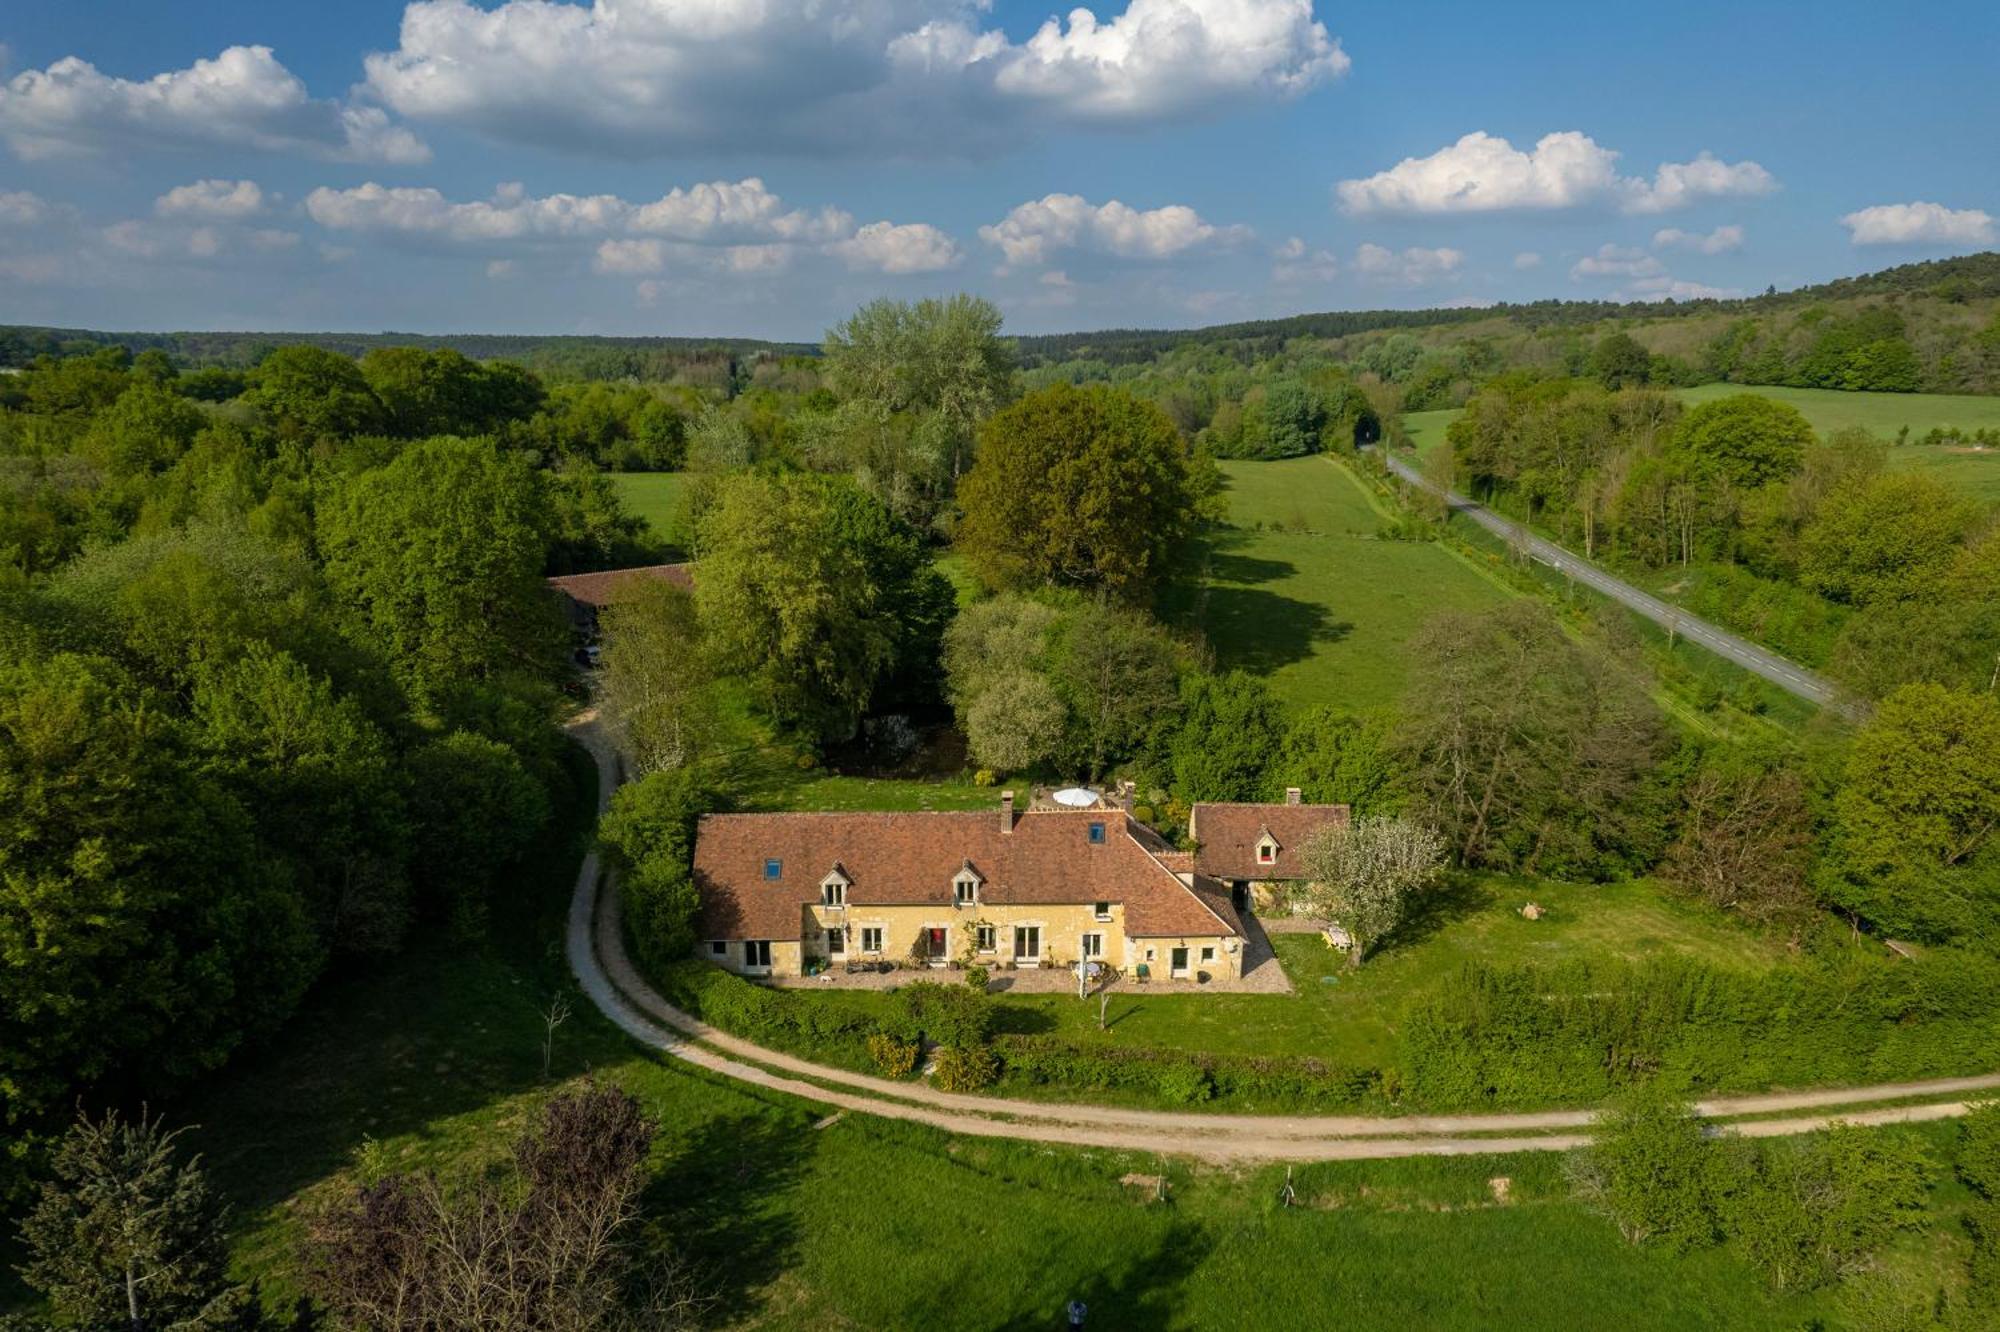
[(815, 593), (657, 690), (1744, 441), (1527, 752), (1230, 730), (1117, 673), (141, 929), (1746, 841), (1369, 875), (439, 556), (438, 391), (591, 528), (323, 786), (1650, 1167), (1885, 538), (126, 1233), (1620, 360), (1015, 721), (1919, 801), (1979, 1150), (650, 834), (943, 360), (1334, 757), (1815, 1209), (476, 810), (142, 433), (1085, 488), (308, 394)]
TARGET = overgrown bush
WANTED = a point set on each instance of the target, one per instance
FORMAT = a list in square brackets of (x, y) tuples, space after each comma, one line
[(1180, 1076), (951, 1015), (968, 1068), (798, 1023), (896, 1059), (1576, 1033), (1651, 1170)]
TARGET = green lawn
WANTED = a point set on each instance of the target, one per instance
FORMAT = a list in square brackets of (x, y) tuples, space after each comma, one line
[(1301, 591), (655, 497)]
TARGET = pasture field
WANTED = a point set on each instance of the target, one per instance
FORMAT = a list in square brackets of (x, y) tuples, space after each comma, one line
[(655, 497), (1301, 589)]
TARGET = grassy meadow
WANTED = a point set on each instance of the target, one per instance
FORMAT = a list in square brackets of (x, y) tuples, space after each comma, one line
[(655, 497), (1300, 588)]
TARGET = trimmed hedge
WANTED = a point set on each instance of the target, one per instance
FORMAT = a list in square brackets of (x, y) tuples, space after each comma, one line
[(791, 1022), (1184, 1076), (1535, 1036)]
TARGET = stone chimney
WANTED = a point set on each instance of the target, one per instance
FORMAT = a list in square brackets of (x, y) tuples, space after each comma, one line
[(1292, 795), (1006, 811)]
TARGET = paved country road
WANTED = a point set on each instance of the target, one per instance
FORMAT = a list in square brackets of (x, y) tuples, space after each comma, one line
[(596, 950), (1788, 675)]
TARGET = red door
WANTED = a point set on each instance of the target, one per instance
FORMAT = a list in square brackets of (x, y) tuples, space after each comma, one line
[(934, 945)]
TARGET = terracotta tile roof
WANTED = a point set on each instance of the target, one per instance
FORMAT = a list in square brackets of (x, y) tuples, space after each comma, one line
[(600, 589), (1226, 837), (1180, 862), (910, 859)]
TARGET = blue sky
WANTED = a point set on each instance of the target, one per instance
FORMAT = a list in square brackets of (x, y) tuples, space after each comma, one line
[(759, 167)]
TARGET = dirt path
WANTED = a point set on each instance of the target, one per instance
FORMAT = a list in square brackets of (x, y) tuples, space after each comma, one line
[(598, 959)]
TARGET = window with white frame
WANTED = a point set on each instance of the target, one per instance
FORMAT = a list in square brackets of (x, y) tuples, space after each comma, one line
[(988, 938), (1027, 943), (756, 952), (871, 938), (1208, 954), (833, 892), (1102, 910), (836, 942), (1267, 852), (1091, 945), (965, 890), (719, 947)]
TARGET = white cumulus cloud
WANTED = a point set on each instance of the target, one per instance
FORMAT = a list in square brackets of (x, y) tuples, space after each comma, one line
[(212, 198), (1298, 263), (1617, 261), (649, 77), (24, 208), (1034, 231), (242, 97), (1719, 241), (884, 247), (1412, 267), (1484, 173), (1919, 224)]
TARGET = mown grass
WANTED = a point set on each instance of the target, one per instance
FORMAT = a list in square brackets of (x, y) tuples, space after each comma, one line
[(655, 497), (1299, 587)]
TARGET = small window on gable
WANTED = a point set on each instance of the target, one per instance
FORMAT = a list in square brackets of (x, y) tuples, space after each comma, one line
[(833, 893), (773, 868), (1267, 852), (965, 890), (1096, 834)]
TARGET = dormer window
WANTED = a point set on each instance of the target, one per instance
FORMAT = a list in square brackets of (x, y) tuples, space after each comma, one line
[(773, 868), (1267, 850), (833, 888), (1097, 834), (965, 885)]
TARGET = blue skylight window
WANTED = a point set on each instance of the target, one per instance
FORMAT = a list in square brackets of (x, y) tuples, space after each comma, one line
[(773, 868), (1096, 834)]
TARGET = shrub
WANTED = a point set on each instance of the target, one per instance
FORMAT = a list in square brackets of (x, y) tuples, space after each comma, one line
[(1186, 1082), (1813, 1210), (976, 979), (945, 1014), (896, 1059), (965, 1069), (1651, 1169), (1051, 1061), (1982, 1227), (1979, 1150)]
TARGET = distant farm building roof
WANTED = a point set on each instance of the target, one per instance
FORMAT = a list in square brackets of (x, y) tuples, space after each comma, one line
[(600, 589)]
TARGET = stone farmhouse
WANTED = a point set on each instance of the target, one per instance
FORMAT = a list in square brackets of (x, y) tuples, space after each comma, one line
[(1254, 848), (1071, 876)]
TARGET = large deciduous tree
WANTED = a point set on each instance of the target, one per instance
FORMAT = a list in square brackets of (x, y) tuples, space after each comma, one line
[(308, 394), (658, 692), (650, 833), (1527, 751), (1914, 846), (1746, 841), (1888, 537), (818, 595), (1084, 488), (439, 556), (1369, 875)]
